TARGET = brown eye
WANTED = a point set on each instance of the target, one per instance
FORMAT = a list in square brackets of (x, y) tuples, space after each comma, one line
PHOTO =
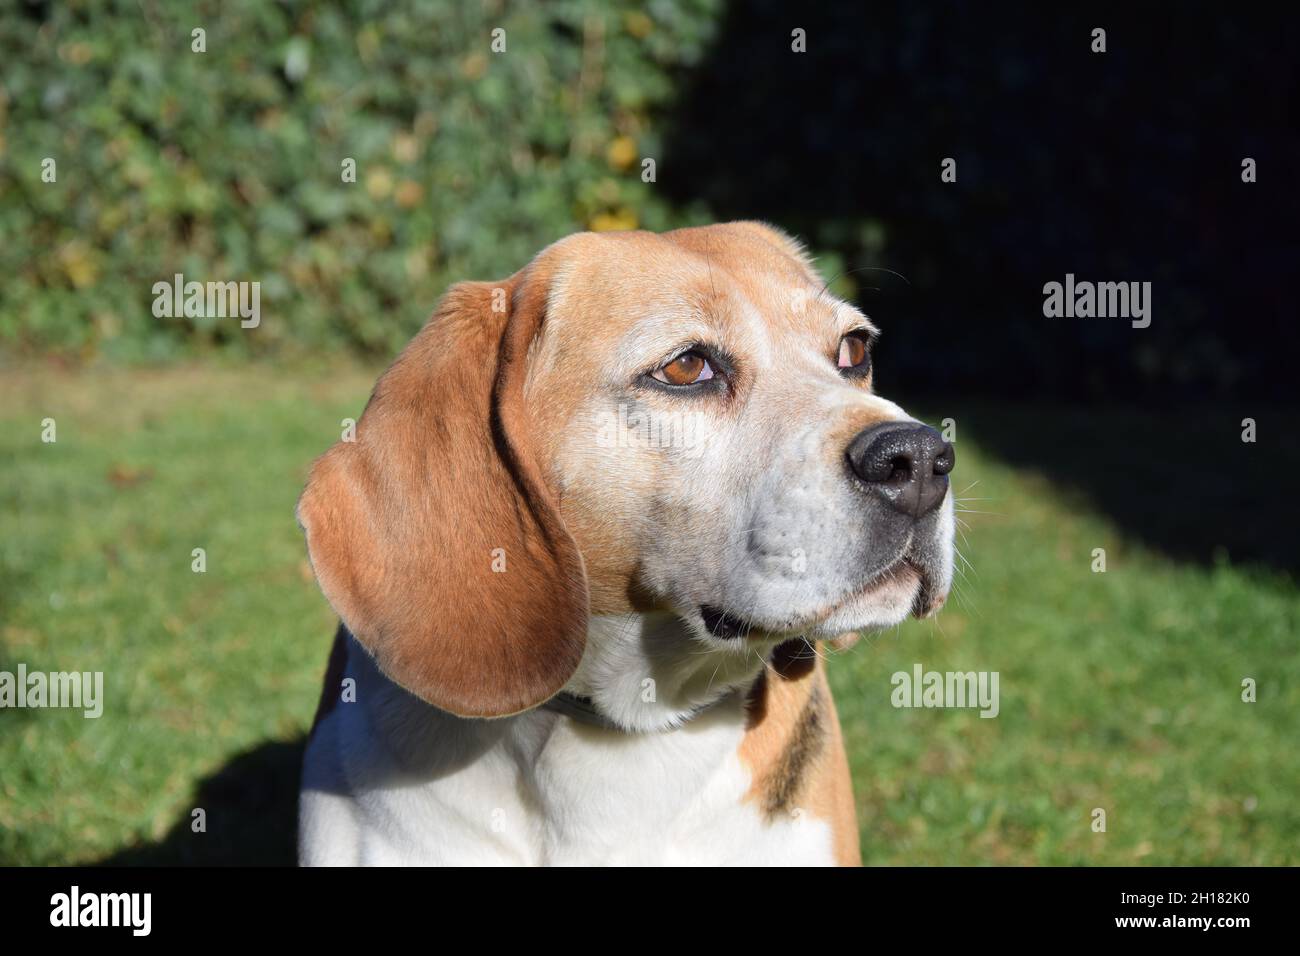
[(853, 352), (687, 369)]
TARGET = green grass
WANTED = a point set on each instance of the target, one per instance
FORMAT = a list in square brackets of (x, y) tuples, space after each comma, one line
[(1118, 690)]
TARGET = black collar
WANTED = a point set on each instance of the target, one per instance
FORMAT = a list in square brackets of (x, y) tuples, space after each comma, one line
[(583, 710)]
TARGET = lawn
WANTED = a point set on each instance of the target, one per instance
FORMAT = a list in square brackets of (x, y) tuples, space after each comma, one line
[(1119, 690)]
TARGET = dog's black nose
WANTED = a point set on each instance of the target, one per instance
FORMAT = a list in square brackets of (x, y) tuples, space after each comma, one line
[(906, 464)]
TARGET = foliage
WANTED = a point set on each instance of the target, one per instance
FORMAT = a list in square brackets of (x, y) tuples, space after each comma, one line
[(228, 164)]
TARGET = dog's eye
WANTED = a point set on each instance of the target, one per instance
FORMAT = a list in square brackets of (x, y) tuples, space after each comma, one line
[(689, 368), (855, 357)]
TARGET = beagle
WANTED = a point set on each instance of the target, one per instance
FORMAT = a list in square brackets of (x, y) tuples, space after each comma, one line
[(597, 523)]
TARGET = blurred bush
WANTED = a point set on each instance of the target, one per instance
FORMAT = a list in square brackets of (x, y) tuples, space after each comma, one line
[(227, 164)]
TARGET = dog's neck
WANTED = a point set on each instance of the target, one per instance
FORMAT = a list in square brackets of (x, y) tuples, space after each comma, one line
[(643, 673), (649, 673)]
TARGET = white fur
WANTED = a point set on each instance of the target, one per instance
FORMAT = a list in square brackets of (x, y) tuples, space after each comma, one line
[(390, 780)]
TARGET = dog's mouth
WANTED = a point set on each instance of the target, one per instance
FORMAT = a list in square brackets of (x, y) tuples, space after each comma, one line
[(905, 572), (908, 572)]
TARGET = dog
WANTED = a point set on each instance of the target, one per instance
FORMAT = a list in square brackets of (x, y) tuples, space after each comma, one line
[(573, 636)]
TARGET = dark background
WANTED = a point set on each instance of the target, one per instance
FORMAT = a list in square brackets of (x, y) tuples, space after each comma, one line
[(1120, 166)]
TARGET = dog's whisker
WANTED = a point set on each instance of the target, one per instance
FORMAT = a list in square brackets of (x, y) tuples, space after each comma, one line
[(849, 272)]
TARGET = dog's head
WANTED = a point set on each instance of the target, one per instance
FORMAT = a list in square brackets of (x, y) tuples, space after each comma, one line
[(679, 423)]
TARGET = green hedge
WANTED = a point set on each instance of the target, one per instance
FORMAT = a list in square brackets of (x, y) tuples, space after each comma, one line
[(227, 164)]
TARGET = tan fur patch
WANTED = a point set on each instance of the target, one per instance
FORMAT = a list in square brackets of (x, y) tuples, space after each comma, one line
[(795, 753), (404, 524)]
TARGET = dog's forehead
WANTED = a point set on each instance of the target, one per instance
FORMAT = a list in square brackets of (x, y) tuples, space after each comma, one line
[(637, 289)]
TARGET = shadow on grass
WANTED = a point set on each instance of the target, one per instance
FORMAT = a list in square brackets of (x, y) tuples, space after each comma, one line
[(1178, 480), (252, 815)]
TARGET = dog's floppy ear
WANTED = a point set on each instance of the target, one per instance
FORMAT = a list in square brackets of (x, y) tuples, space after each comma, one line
[(434, 535)]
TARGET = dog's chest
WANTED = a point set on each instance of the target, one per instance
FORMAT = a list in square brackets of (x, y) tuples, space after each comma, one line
[(676, 799), (553, 792)]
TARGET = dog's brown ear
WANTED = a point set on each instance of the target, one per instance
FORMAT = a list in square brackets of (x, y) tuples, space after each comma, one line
[(434, 535)]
